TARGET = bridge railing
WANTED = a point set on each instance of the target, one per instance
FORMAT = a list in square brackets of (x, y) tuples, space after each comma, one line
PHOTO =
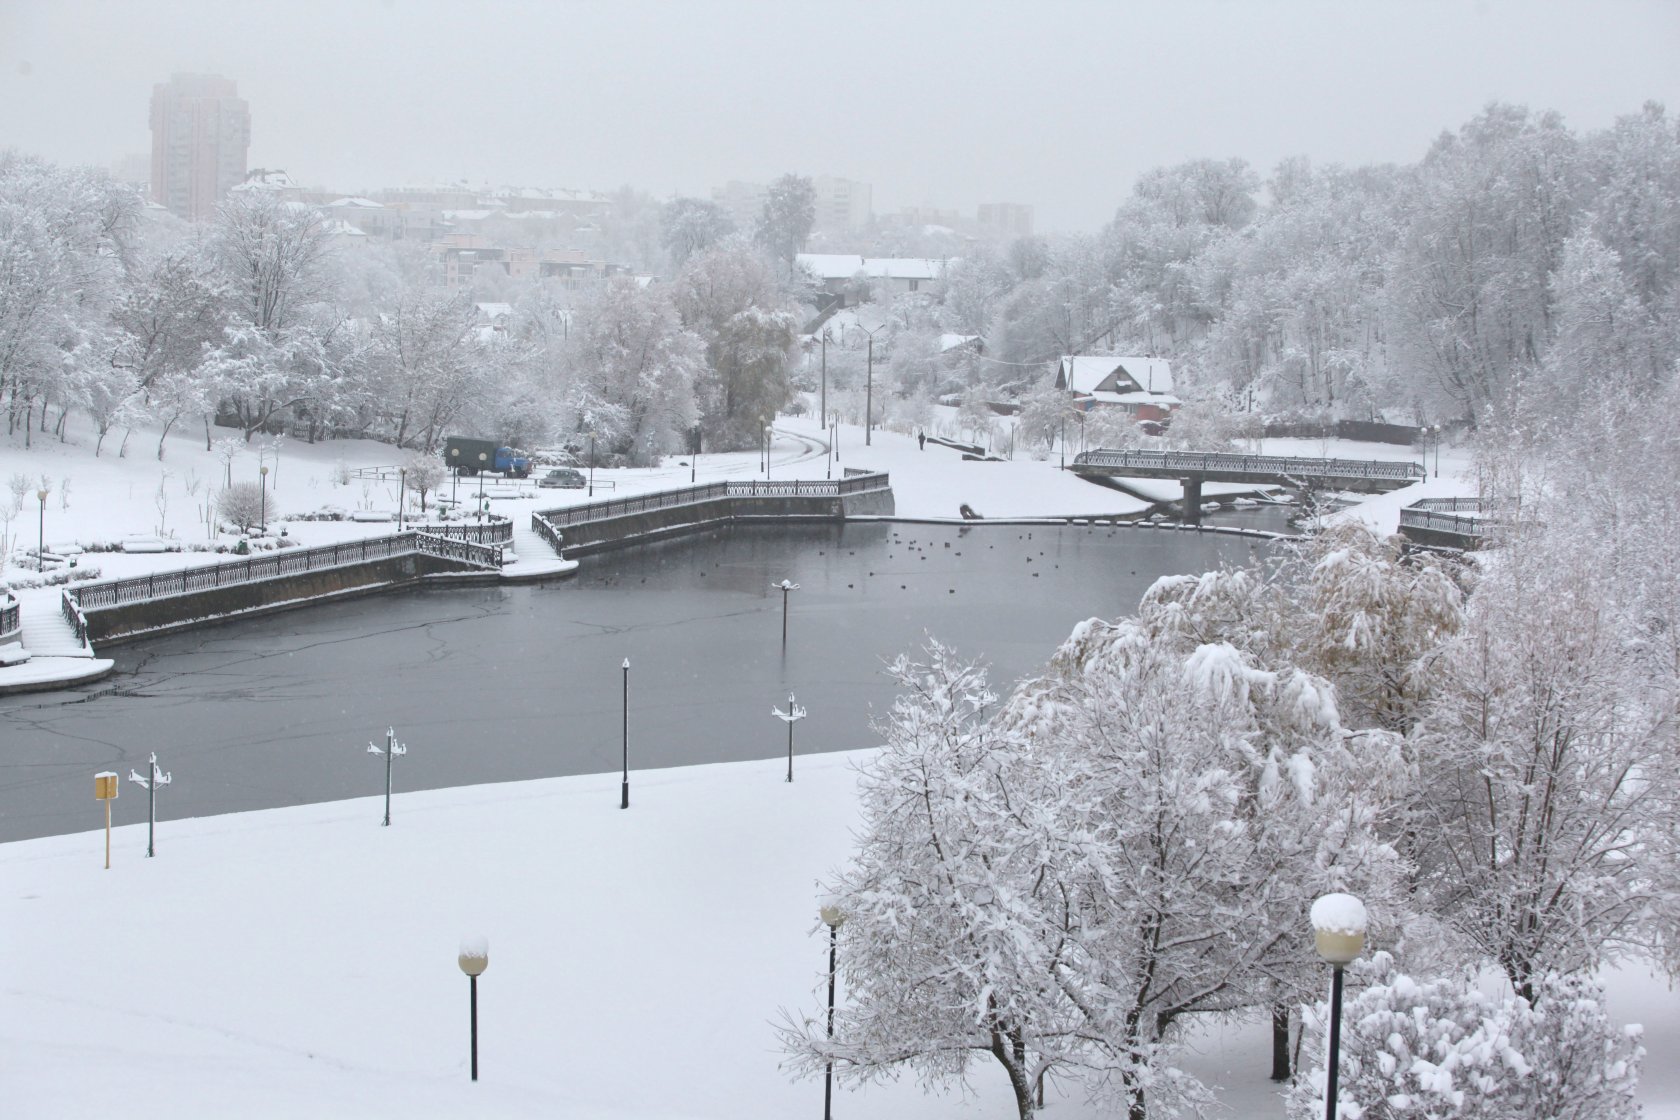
[(1200, 461), (558, 519), (499, 531), (158, 585)]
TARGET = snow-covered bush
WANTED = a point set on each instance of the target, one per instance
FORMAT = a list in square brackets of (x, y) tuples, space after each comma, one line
[(1442, 1049), (244, 504)]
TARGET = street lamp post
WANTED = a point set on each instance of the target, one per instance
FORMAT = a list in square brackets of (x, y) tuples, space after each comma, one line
[(790, 717), (474, 958), (624, 790), (832, 916), (391, 751), (153, 779), (1437, 451), (41, 530), (402, 495), (591, 464), (262, 486), (784, 587), (1338, 922), (1063, 441), (767, 437), (822, 409)]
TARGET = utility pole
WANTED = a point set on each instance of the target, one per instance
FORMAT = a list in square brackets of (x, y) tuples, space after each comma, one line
[(823, 410)]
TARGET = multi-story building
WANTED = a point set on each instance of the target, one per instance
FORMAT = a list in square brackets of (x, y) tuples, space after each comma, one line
[(1012, 218), (742, 202), (843, 206), (201, 130)]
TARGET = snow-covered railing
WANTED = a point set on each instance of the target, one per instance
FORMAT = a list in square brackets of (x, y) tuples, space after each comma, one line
[(158, 585), (11, 619), (454, 548), (499, 531), (558, 519), (1268, 465), (544, 528), (72, 612)]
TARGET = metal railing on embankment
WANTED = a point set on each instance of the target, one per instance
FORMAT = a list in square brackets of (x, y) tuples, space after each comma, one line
[(558, 519), (11, 620), (1465, 518), (159, 585)]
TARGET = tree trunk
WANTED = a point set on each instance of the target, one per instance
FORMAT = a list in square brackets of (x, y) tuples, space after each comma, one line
[(1280, 1042)]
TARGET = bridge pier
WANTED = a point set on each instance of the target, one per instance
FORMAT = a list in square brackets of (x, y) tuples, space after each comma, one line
[(1192, 499)]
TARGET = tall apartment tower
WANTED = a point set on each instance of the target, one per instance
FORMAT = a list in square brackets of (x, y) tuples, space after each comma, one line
[(1012, 218), (201, 129)]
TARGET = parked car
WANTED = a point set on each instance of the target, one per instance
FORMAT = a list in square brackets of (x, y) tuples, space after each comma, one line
[(565, 478)]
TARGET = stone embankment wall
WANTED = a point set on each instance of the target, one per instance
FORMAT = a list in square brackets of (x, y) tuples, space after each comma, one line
[(178, 612), (637, 528)]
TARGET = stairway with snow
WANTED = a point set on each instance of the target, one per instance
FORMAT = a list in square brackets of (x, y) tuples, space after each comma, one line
[(534, 557), (45, 633)]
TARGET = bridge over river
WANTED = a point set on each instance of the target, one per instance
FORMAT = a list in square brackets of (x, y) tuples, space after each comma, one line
[(1193, 468)]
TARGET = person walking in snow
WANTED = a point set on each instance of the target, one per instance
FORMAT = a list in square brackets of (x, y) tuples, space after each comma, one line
[(921, 440)]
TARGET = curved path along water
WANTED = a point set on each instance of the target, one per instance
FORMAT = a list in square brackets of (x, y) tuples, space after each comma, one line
[(502, 683)]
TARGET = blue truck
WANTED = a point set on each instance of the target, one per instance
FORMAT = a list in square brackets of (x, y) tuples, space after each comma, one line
[(475, 456)]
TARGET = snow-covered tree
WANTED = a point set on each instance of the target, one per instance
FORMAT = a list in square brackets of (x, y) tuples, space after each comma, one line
[(633, 367), (690, 225), (1547, 753), (277, 354), (784, 224), (728, 297)]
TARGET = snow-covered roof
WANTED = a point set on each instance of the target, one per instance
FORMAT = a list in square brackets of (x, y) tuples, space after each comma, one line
[(356, 203), (467, 215), (1088, 373), (952, 341), (342, 228), (1100, 396), (844, 266), (494, 310), (264, 180)]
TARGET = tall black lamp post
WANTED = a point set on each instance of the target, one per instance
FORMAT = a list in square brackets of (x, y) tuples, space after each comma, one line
[(624, 790), (474, 958), (1437, 431), (262, 485), (41, 529), (784, 587), (1338, 922), (767, 436), (832, 917), (591, 464), (402, 495)]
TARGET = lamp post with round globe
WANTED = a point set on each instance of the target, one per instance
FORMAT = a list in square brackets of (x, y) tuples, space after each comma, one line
[(474, 958), (832, 917), (1338, 922)]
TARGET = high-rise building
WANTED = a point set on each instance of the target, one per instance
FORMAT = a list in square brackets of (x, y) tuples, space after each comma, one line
[(1012, 218), (843, 205), (201, 129)]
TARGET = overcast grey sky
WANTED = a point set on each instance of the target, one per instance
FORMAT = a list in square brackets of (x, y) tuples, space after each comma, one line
[(1054, 103)]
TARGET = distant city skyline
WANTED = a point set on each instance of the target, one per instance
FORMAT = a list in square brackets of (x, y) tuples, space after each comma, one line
[(1059, 105)]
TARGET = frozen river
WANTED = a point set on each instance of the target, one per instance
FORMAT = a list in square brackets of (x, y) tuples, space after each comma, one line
[(492, 684)]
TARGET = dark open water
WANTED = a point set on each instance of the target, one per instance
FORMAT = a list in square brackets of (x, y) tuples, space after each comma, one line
[(491, 684)]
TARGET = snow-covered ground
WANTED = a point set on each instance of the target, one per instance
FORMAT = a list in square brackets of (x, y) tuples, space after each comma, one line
[(302, 961)]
